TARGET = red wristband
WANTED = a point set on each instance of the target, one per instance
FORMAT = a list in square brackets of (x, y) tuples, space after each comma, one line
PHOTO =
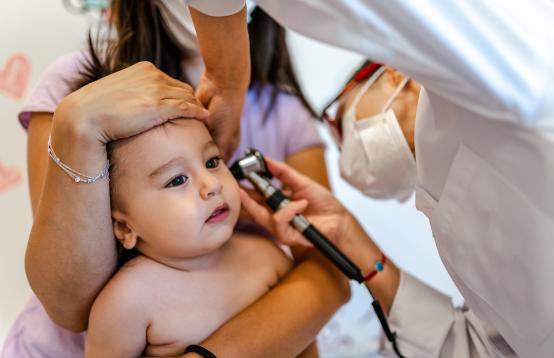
[(379, 266)]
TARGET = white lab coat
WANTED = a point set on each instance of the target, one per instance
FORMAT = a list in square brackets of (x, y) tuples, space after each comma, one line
[(485, 156)]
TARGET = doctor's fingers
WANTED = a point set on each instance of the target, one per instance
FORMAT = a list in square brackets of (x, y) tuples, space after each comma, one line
[(258, 211), (279, 223), (254, 194), (282, 223), (259, 198)]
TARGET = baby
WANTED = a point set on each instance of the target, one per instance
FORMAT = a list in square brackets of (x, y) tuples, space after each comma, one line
[(175, 203)]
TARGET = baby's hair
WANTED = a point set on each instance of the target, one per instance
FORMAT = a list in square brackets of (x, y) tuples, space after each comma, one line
[(111, 149), (123, 255)]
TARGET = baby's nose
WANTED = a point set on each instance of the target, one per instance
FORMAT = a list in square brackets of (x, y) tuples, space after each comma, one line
[(210, 186)]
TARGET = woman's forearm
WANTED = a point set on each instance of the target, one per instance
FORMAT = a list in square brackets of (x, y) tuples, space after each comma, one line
[(287, 319), (71, 252)]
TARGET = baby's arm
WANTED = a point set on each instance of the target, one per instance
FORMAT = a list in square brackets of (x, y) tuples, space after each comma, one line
[(118, 322)]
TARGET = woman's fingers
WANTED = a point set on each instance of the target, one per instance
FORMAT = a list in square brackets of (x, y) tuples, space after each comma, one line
[(177, 108), (131, 101), (176, 83), (184, 101), (177, 98)]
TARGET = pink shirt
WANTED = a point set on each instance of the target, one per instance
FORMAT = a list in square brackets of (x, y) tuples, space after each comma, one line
[(288, 129)]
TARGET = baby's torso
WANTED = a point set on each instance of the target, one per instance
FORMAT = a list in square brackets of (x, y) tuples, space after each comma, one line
[(186, 307)]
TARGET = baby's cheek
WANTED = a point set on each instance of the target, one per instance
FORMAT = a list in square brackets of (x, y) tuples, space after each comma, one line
[(233, 198)]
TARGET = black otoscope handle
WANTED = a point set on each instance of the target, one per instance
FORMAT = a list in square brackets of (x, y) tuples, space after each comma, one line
[(276, 199), (333, 253), (322, 243)]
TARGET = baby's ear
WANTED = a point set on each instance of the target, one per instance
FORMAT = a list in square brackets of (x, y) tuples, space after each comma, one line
[(123, 232)]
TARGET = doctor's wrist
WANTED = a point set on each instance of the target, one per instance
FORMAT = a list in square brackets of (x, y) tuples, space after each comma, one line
[(385, 285), (361, 249), (357, 245)]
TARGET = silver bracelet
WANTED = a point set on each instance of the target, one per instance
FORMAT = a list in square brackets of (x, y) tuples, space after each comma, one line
[(78, 177)]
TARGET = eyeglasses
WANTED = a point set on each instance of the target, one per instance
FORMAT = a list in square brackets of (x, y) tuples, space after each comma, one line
[(330, 113)]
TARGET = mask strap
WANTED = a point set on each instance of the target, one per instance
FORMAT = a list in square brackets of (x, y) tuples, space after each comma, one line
[(366, 86), (395, 94)]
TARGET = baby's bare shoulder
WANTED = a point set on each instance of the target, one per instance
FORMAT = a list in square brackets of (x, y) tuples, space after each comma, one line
[(137, 281), (246, 244), (260, 251)]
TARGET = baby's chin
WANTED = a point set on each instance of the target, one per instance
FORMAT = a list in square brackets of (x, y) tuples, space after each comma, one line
[(223, 234)]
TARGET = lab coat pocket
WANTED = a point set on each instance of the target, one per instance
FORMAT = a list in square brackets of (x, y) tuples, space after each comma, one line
[(497, 246)]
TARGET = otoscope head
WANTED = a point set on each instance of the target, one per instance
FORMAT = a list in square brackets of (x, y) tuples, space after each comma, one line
[(253, 161)]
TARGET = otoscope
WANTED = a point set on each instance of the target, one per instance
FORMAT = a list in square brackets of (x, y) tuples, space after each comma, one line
[(254, 168)]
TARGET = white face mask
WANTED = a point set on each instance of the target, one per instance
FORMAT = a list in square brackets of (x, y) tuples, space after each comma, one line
[(375, 157)]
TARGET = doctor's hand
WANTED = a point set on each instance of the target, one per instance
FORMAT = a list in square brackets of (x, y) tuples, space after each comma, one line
[(225, 108), (312, 200), (326, 213)]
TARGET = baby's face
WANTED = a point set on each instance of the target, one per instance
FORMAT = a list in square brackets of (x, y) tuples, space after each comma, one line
[(174, 195)]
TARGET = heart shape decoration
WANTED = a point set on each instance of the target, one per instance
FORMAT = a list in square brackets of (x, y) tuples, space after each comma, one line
[(14, 75), (9, 177)]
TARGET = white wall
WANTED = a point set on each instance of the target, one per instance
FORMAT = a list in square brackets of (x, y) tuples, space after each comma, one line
[(43, 30)]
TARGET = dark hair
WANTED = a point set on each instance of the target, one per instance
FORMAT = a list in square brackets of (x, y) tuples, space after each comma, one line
[(142, 35), (270, 60)]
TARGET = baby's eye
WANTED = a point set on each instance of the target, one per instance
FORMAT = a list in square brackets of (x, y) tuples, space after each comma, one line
[(213, 162), (177, 181)]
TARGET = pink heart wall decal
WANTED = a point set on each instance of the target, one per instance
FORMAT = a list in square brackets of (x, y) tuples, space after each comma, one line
[(14, 75), (9, 177)]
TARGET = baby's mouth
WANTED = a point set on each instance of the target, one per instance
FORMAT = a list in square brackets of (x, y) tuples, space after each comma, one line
[(219, 214)]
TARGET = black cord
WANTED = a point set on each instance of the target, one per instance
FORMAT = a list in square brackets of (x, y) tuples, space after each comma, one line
[(391, 336)]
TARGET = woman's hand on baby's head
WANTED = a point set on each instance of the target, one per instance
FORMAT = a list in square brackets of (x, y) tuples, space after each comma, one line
[(126, 103)]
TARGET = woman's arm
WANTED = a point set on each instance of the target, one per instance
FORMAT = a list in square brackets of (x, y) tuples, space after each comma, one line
[(284, 321), (311, 162), (71, 251), (37, 156)]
